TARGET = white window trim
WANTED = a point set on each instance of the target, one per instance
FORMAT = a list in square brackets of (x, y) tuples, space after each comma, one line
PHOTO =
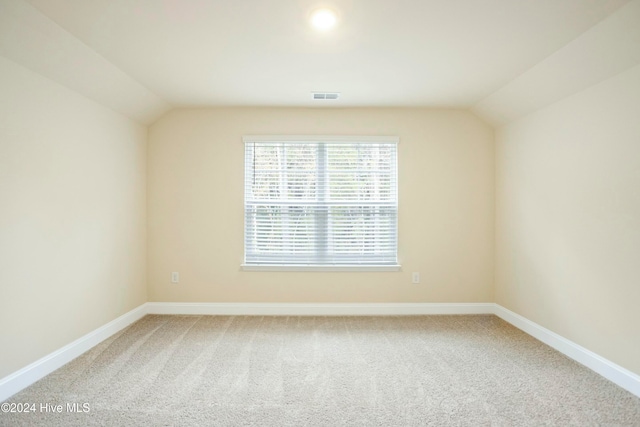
[(321, 138), (321, 267)]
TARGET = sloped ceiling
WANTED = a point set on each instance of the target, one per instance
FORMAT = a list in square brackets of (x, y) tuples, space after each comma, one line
[(605, 50), (500, 58), (30, 39)]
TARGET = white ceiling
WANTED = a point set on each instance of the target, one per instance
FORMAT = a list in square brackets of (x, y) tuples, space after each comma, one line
[(439, 53)]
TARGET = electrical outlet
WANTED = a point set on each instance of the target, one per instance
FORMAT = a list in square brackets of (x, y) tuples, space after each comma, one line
[(415, 277), (175, 277)]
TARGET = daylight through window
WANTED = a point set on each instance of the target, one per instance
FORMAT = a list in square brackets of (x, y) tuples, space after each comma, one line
[(321, 202)]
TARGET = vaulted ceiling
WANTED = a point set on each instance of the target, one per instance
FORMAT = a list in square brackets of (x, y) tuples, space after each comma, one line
[(501, 58)]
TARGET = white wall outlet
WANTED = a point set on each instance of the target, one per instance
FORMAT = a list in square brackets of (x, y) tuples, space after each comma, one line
[(415, 277), (175, 277)]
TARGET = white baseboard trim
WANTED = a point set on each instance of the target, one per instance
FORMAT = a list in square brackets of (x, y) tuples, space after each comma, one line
[(318, 309), (609, 370), (28, 375)]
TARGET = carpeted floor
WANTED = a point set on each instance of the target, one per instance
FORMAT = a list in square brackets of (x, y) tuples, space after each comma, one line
[(325, 371)]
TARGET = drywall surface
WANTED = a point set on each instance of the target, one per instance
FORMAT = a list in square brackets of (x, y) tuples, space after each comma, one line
[(568, 218), (72, 216), (196, 216), (603, 51)]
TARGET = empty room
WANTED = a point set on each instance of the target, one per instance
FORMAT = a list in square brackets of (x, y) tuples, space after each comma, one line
[(342, 212)]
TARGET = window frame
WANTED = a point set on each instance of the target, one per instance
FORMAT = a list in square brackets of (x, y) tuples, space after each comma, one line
[(320, 139)]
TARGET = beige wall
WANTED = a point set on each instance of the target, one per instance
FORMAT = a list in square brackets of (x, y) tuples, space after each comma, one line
[(568, 218), (72, 216), (195, 205)]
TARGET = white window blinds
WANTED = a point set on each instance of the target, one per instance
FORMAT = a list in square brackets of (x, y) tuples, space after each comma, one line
[(320, 202)]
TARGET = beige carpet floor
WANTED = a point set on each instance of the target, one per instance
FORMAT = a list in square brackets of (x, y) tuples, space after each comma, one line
[(325, 371)]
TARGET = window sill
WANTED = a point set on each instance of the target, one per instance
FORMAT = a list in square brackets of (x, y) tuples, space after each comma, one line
[(322, 268)]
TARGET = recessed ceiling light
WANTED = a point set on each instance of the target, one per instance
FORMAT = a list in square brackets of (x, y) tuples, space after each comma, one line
[(323, 19)]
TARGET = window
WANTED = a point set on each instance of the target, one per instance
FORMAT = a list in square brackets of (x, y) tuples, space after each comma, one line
[(320, 202)]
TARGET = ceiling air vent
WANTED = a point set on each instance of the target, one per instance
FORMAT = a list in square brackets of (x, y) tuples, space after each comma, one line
[(325, 95)]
